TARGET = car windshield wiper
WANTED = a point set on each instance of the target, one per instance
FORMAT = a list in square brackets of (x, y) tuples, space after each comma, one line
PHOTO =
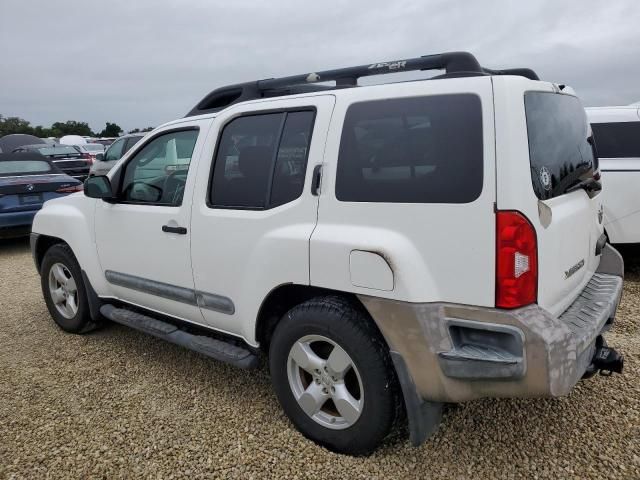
[(590, 185)]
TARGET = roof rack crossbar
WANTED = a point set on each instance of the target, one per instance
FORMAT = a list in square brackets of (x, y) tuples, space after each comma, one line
[(453, 63)]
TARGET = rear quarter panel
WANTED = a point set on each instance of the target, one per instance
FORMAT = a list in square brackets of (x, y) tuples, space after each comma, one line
[(436, 252)]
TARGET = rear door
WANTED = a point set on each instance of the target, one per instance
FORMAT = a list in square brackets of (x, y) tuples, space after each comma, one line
[(253, 210), (544, 148)]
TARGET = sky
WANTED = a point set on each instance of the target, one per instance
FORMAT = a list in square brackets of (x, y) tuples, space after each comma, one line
[(140, 63)]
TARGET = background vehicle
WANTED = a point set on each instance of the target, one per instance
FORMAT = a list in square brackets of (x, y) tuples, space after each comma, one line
[(105, 141), (66, 157), (410, 244), (617, 135), (27, 180), (72, 140), (114, 153), (9, 143), (92, 150)]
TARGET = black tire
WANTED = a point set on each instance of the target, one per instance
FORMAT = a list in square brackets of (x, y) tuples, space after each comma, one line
[(345, 323), (81, 322)]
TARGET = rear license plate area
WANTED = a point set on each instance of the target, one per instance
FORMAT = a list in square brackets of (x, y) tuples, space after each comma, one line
[(30, 199)]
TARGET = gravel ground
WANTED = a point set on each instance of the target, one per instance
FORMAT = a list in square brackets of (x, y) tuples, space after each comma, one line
[(117, 404)]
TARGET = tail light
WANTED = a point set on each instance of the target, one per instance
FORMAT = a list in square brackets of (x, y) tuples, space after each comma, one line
[(516, 260), (70, 189), (88, 158)]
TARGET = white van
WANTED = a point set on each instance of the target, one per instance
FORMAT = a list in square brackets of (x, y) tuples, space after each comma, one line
[(617, 135)]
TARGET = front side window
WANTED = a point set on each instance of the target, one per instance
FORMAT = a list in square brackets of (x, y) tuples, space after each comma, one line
[(617, 140), (561, 151), (412, 150), (261, 160), (157, 173)]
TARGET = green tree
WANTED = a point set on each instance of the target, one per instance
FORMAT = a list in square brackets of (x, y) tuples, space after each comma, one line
[(71, 127), (9, 125), (143, 130), (111, 130), (42, 132)]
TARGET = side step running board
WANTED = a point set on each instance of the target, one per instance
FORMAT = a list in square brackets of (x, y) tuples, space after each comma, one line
[(211, 347)]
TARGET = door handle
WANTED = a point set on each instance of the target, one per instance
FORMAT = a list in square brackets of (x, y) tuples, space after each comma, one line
[(178, 230), (315, 180)]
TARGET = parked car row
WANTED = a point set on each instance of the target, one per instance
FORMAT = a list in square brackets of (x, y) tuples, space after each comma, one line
[(387, 248), (41, 169), (27, 180)]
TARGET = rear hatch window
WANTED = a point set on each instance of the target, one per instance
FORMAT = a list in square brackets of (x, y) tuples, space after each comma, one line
[(561, 149), (60, 152), (24, 167), (617, 140)]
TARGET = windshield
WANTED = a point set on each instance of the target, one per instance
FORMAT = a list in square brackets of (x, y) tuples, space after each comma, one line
[(59, 150), (21, 167), (94, 147), (561, 149)]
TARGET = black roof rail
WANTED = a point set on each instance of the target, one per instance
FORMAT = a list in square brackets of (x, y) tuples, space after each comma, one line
[(455, 64)]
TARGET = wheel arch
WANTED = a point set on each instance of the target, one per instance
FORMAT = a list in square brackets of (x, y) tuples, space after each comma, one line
[(286, 296), (40, 244)]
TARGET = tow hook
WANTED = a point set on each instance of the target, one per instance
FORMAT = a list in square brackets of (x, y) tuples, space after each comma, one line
[(607, 361)]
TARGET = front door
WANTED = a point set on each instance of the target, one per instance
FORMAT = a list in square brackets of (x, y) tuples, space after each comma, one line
[(143, 239)]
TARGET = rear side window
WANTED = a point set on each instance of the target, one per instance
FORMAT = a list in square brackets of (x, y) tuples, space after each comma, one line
[(412, 150), (261, 160), (617, 140), (561, 150)]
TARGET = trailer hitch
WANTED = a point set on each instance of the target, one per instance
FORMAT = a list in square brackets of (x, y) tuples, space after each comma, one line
[(607, 361)]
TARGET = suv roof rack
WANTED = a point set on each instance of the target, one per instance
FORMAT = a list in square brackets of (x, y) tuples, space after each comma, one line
[(455, 64)]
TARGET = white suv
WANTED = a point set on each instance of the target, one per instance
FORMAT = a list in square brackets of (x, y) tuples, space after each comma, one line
[(388, 248), (617, 134)]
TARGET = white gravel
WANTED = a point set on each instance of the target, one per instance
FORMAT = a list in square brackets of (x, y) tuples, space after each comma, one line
[(119, 404)]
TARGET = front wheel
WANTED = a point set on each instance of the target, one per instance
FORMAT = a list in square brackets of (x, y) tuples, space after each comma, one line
[(333, 376), (64, 290)]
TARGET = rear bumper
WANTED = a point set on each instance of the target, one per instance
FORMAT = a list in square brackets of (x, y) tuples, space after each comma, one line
[(455, 353)]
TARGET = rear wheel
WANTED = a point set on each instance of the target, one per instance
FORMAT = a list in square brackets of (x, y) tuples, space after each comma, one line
[(64, 290), (333, 376)]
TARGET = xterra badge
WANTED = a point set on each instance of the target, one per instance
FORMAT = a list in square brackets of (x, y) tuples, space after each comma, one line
[(574, 269), (545, 178), (600, 214)]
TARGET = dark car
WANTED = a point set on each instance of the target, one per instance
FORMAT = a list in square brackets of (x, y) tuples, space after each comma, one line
[(66, 157), (27, 180), (10, 142)]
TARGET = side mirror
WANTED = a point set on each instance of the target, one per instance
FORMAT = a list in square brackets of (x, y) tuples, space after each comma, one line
[(98, 187), (100, 156)]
